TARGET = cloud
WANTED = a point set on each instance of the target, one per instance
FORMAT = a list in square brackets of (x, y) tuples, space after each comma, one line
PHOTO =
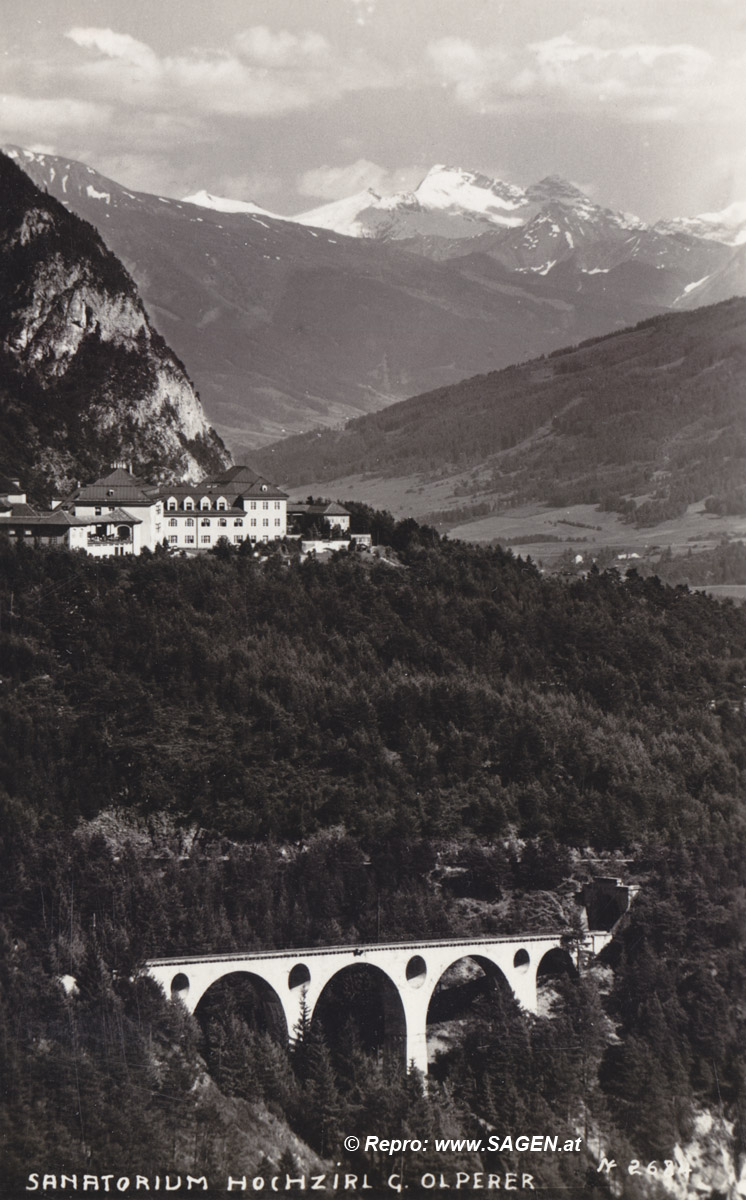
[(114, 45), (639, 80), (262, 73), (335, 183), (21, 114), (265, 48)]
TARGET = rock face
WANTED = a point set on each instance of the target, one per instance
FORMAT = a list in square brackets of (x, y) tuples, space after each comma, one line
[(84, 378)]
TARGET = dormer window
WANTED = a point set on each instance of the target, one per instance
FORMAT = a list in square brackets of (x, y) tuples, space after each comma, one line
[(171, 505), (204, 503), (221, 504), (188, 504), (265, 488)]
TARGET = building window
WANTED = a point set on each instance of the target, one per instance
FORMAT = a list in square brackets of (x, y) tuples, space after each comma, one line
[(277, 503), (174, 523), (265, 520), (173, 537), (188, 505), (253, 521), (189, 538), (221, 505), (237, 537), (97, 510), (222, 521), (205, 521), (265, 503), (204, 503), (238, 521), (253, 504), (205, 538), (277, 521), (189, 521)]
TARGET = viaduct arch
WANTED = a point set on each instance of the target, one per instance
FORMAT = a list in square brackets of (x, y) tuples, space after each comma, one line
[(414, 968)]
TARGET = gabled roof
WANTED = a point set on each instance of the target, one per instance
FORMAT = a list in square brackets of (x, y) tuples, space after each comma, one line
[(262, 489), (182, 489), (96, 493), (117, 516), (118, 487), (242, 482), (58, 518), (318, 510), (21, 510), (120, 476)]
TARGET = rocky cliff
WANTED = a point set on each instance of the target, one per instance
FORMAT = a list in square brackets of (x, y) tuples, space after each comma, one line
[(84, 378)]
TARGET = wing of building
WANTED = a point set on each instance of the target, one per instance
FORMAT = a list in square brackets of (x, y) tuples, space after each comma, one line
[(121, 514), (237, 504)]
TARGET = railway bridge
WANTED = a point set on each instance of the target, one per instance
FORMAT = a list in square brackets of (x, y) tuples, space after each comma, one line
[(408, 973)]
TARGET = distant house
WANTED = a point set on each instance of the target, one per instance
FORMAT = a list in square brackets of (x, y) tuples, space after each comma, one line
[(303, 515)]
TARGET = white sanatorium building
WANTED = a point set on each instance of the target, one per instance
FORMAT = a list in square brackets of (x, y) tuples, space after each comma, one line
[(121, 514)]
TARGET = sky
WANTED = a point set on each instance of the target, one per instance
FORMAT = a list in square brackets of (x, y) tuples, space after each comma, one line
[(293, 103)]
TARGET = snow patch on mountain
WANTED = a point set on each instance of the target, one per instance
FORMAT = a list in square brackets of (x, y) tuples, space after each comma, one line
[(450, 187), (205, 199), (343, 216)]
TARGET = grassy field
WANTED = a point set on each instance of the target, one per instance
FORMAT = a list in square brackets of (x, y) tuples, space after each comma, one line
[(725, 591), (547, 534)]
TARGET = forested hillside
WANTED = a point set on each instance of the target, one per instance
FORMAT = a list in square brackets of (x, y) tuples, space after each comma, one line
[(644, 422), (454, 689), (218, 753)]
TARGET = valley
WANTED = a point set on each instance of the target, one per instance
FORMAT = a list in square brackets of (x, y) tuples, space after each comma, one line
[(286, 326)]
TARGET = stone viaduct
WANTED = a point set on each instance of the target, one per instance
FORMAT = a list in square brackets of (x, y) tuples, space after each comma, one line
[(409, 972)]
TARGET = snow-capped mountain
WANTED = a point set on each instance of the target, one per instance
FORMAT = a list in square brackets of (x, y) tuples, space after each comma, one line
[(457, 204), (448, 203), (727, 226), (549, 229)]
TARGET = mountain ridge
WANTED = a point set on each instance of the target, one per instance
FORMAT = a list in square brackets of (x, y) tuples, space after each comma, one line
[(642, 422), (288, 327)]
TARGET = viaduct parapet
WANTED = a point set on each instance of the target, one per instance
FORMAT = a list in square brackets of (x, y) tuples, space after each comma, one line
[(288, 978)]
